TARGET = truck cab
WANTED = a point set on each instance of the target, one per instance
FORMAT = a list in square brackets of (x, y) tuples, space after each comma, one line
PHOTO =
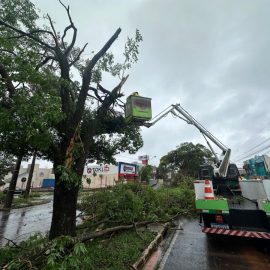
[(224, 186)]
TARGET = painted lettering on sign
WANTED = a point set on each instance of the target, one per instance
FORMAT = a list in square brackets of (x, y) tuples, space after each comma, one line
[(99, 169)]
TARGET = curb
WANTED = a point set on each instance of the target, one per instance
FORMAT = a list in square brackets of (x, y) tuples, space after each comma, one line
[(151, 248)]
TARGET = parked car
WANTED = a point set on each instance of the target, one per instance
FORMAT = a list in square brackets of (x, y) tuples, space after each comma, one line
[(17, 191)]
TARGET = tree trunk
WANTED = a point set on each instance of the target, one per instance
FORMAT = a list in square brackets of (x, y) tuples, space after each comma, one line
[(30, 176), (13, 182), (64, 207)]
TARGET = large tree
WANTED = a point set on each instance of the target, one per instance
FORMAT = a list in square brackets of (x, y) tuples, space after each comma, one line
[(185, 159), (29, 104), (92, 123)]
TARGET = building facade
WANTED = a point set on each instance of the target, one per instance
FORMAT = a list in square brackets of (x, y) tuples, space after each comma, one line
[(94, 175)]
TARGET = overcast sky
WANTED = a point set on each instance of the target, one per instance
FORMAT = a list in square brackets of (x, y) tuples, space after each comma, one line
[(211, 56)]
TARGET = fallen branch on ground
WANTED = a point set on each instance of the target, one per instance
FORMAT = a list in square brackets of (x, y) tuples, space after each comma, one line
[(11, 241), (38, 255), (111, 230)]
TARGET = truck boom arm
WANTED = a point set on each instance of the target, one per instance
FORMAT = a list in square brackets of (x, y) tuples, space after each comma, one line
[(178, 111)]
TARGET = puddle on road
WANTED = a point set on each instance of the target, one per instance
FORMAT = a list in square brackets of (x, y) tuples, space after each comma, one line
[(19, 224)]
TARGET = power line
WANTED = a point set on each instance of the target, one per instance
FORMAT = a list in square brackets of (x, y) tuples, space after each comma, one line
[(256, 152), (253, 148)]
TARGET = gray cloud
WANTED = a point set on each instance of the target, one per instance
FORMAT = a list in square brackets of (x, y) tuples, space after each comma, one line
[(212, 56)]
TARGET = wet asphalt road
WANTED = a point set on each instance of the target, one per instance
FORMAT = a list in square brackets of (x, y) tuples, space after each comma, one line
[(191, 250), (19, 224)]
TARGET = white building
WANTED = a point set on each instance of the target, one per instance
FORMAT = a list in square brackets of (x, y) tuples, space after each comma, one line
[(39, 175), (100, 175)]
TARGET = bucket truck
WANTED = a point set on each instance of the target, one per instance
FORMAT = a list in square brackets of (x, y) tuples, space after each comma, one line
[(234, 207)]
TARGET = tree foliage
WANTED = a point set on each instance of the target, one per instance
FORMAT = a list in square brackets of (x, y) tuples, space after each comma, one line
[(29, 100), (6, 166), (185, 160), (54, 100), (146, 173), (29, 105)]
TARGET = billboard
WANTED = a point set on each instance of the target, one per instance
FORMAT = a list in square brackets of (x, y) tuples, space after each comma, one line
[(127, 169)]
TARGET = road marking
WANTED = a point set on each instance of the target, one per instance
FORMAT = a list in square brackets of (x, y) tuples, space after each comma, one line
[(164, 259)]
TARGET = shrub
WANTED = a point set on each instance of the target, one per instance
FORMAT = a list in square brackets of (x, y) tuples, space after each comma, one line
[(127, 203), (124, 203), (177, 200)]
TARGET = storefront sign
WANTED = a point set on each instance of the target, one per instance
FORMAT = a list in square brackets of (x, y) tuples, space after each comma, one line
[(98, 169), (127, 169)]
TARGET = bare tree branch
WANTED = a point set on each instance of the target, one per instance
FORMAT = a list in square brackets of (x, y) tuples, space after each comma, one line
[(87, 77), (65, 32), (103, 90), (71, 26), (51, 65), (78, 56), (93, 97), (67, 9), (30, 35), (11, 52), (54, 32), (122, 106), (119, 100), (17, 85), (96, 93), (70, 47), (98, 55), (33, 32), (45, 61)]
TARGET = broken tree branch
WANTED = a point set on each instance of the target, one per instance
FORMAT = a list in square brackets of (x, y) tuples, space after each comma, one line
[(113, 96), (96, 94), (111, 230), (30, 35), (102, 89)]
